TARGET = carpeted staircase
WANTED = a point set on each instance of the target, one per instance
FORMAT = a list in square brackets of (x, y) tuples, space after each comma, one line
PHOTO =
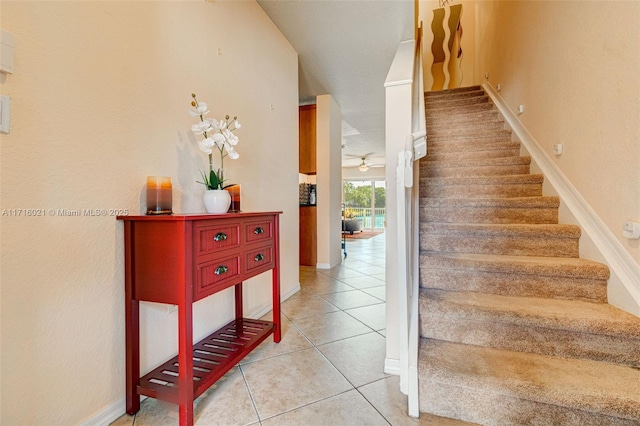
[(515, 327)]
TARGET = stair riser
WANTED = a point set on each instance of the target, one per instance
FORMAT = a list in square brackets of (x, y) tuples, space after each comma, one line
[(475, 331), (514, 284), (495, 409), (446, 112), (474, 155), (493, 215), (474, 171), (475, 162), (524, 245), (483, 119), (436, 96), (482, 191), (470, 147), (433, 104), (469, 118), (452, 92), (473, 140), (470, 128)]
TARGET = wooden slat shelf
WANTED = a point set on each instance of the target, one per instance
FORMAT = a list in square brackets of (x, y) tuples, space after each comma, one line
[(213, 356)]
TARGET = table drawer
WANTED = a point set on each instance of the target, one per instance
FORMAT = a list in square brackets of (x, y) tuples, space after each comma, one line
[(258, 259), (212, 275), (216, 237), (259, 230)]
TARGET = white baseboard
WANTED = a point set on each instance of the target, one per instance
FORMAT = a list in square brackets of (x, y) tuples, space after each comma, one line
[(392, 366), (328, 265), (617, 258), (117, 409)]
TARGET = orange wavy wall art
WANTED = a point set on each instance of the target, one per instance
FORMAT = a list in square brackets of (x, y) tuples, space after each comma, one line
[(446, 48)]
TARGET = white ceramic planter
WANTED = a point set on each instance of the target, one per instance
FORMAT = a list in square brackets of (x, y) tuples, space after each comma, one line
[(217, 201)]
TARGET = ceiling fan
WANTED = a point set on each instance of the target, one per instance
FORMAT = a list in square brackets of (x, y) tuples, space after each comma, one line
[(364, 165)]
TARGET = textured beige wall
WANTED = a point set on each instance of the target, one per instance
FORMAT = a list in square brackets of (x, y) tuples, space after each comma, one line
[(100, 96), (574, 66)]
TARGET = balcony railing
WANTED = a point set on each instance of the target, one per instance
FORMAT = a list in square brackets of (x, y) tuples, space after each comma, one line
[(370, 220)]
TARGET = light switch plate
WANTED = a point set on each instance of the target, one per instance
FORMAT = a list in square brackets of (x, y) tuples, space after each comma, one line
[(5, 105)]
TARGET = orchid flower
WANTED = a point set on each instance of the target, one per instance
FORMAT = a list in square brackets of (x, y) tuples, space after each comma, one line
[(218, 135)]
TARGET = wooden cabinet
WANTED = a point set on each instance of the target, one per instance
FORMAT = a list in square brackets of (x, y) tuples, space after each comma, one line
[(179, 259), (307, 130), (308, 236)]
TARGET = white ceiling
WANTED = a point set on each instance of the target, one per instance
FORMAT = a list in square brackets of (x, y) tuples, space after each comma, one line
[(345, 49)]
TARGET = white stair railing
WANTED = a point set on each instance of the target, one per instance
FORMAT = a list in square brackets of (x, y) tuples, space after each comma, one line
[(407, 235)]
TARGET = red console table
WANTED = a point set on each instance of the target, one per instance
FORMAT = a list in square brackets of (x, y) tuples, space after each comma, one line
[(179, 259)]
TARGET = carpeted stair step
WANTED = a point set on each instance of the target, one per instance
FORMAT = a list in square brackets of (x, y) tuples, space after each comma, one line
[(507, 149), (432, 104), (518, 240), (466, 127), (492, 136), (534, 210), (517, 165), (465, 150), (464, 119), (458, 91), (522, 276), (444, 146), (509, 186), (564, 328), (468, 130), (498, 387), (442, 112)]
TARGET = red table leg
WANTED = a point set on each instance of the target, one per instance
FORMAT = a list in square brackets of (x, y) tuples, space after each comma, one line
[(185, 363), (275, 278), (238, 296), (132, 329)]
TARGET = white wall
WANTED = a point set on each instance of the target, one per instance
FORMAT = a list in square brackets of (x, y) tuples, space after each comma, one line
[(329, 189), (352, 173), (100, 96)]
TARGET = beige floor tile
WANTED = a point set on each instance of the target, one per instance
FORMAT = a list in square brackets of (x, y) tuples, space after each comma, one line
[(370, 269), (324, 287), (304, 305), (292, 380), (386, 397), (378, 292), (125, 420), (347, 409), (340, 273), (381, 277), (373, 316), (351, 299), (360, 359), (292, 340), (227, 402), (363, 282), (352, 263), (330, 327), (156, 413)]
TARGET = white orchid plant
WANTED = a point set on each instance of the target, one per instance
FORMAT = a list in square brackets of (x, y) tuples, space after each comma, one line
[(216, 135)]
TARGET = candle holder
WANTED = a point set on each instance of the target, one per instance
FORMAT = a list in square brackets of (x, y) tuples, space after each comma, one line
[(159, 195), (234, 192)]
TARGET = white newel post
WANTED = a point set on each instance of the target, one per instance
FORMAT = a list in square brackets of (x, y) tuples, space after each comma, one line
[(398, 124)]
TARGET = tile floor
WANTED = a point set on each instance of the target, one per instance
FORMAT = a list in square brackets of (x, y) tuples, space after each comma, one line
[(328, 368)]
